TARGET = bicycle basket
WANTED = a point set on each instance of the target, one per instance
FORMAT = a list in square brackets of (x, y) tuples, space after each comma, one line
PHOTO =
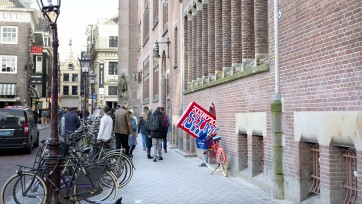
[(203, 142)]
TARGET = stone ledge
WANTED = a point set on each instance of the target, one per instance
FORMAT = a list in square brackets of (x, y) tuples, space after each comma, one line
[(185, 154), (235, 76)]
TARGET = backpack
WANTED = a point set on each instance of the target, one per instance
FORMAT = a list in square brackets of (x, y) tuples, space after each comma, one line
[(165, 117), (153, 123)]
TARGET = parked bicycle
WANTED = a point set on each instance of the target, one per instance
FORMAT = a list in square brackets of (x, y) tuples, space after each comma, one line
[(214, 156)]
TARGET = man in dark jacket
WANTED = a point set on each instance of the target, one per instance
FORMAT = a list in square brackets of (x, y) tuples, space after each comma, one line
[(122, 127), (158, 135), (71, 121)]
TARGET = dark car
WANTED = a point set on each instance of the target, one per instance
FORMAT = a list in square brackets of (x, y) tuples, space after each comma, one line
[(18, 129)]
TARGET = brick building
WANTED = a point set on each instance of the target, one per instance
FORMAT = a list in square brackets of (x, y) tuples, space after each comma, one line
[(222, 52)]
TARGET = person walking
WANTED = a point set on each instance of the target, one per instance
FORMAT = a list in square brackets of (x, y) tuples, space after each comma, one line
[(132, 140), (122, 127), (168, 128), (142, 130), (157, 135), (70, 122), (145, 132), (105, 127)]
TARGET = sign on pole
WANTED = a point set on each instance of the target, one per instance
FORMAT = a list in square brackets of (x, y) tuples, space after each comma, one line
[(197, 121)]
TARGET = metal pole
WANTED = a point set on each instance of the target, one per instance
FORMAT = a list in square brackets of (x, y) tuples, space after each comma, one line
[(54, 137), (85, 97)]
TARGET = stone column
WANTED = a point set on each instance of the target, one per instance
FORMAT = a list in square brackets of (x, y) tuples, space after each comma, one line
[(247, 30), (236, 34), (359, 172), (199, 42), (194, 41), (261, 31), (218, 38), (204, 40), (189, 49), (332, 174), (211, 38), (226, 34), (186, 52)]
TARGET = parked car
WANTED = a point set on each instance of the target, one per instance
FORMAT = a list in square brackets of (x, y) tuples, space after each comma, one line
[(18, 129)]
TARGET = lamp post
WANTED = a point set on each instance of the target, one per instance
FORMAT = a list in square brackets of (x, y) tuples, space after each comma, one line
[(50, 10), (84, 64)]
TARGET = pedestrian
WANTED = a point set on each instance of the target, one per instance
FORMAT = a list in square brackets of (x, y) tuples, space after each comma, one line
[(132, 140), (122, 128), (70, 122), (44, 114), (105, 127), (168, 128), (35, 113), (143, 129), (158, 134)]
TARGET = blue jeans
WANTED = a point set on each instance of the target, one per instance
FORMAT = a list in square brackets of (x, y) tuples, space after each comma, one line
[(144, 137), (164, 143)]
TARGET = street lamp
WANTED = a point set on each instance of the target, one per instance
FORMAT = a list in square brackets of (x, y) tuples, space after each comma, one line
[(84, 64), (50, 10), (156, 49)]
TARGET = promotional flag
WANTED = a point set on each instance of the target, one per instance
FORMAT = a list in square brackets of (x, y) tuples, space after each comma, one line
[(197, 121)]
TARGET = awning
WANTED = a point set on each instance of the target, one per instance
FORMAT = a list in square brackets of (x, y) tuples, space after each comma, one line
[(7, 89), (33, 92)]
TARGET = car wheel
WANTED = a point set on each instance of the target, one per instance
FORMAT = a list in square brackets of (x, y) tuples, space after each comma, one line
[(36, 144), (29, 147)]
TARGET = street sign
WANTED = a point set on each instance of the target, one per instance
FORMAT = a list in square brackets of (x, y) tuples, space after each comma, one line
[(35, 79)]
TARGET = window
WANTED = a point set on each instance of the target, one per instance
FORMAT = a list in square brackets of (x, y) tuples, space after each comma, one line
[(112, 90), (75, 78), (66, 77), (66, 90), (8, 64), (113, 41), (70, 66), (74, 90), (9, 34), (112, 68), (165, 17), (155, 13), (146, 23)]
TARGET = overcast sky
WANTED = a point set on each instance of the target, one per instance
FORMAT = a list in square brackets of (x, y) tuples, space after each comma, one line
[(74, 16)]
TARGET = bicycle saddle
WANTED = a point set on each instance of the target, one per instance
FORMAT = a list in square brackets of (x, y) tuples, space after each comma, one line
[(218, 137)]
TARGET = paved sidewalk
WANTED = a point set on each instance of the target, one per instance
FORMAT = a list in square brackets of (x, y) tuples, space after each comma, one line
[(177, 179), (40, 126)]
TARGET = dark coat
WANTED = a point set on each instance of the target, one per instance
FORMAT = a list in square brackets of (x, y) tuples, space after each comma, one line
[(162, 125), (141, 126), (71, 121)]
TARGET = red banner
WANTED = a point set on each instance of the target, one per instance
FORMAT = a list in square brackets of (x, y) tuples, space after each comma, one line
[(197, 121), (36, 50)]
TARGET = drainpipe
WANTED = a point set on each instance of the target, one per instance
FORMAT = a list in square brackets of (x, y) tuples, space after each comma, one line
[(277, 188)]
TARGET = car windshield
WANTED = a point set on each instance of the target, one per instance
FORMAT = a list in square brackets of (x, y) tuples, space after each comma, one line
[(11, 117)]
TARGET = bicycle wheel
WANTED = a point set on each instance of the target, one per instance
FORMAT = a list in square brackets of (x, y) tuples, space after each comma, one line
[(121, 166), (223, 162), (209, 158), (25, 187), (92, 187)]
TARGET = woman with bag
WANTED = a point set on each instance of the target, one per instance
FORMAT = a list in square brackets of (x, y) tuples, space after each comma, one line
[(132, 140)]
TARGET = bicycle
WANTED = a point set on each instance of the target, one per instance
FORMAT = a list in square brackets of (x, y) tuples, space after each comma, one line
[(214, 157), (87, 183)]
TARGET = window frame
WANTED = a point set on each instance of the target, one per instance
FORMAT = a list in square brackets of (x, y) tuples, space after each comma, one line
[(66, 74), (76, 78), (76, 88), (15, 59), (115, 72), (16, 35), (109, 41), (108, 90), (64, 93)]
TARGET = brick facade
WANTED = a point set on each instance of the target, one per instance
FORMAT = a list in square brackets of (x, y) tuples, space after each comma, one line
[(320, 74)]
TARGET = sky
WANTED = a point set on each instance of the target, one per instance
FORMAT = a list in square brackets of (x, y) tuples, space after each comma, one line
[(74, 17)]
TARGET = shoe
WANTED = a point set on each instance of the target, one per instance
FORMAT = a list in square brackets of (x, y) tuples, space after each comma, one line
[(149, 157), (202, 165), (131, 156), (155, 159), (160, 158), (165, 150)]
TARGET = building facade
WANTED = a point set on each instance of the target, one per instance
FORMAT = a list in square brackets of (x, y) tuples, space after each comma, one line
[(300, 143), (69, 90), (104, 55), (16, 26)]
